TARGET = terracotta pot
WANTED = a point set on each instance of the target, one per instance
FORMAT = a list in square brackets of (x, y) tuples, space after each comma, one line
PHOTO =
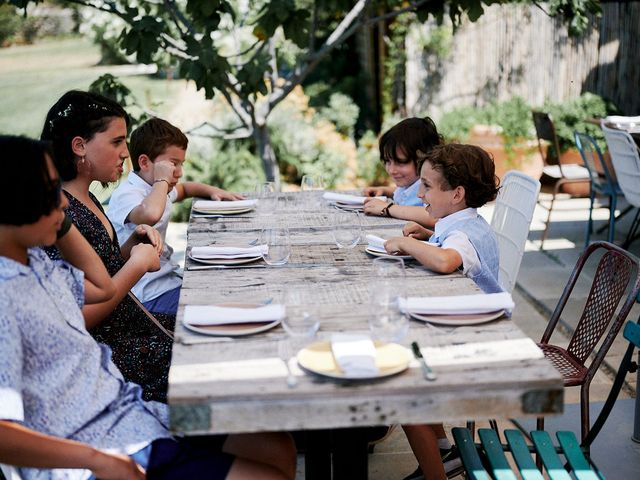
[(574, 189), (523, 156)]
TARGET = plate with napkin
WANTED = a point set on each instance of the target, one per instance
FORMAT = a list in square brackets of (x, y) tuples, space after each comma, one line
[(224, 207), (375, 247), (346, 201), (232, 319), (218, 255), (458, 310), (354, 357)]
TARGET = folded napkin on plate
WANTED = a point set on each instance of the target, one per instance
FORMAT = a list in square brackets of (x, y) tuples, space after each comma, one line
[(223, 204), (214, 315), (621, 120), (375, 243), (354, 354), (347, 199), (228, 252), (458, 304)]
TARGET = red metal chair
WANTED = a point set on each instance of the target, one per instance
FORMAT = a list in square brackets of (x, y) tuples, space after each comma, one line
[(613, 292)]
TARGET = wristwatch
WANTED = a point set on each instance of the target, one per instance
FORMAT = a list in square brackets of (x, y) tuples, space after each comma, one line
[(385, 211)]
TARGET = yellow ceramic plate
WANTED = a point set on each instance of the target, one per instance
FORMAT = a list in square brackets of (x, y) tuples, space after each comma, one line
[(457, 320), (234, 329), (391, 358)]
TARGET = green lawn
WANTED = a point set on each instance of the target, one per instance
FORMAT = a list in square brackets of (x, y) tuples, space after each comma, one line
[(33, 77)]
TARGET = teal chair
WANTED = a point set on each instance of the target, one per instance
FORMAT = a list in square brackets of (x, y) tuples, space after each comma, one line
[(487, 460)]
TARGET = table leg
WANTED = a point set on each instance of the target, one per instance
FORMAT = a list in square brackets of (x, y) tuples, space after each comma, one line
[(350, 453), (317, 456)]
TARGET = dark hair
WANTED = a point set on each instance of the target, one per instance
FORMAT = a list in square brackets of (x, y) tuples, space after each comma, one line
[(27, 192), (152, 138), (77, 114), (411, 135), (468, 166)]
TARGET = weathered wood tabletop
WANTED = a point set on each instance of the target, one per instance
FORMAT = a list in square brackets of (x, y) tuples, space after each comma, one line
[(240, 385)]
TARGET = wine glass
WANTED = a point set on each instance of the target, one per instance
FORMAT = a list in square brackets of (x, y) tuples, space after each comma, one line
[(346, 229), (278, 245), (301, 321), (386, 322)]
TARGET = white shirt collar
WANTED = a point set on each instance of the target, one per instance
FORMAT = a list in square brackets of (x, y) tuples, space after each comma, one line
[(445, 222)]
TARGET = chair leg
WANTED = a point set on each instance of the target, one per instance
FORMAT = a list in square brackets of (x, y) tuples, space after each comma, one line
[(539, 426), (590, 222), (584, 415), (632, 231), (546, 225)]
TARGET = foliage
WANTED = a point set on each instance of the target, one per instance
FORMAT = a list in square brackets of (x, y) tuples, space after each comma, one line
[(370, 168), (112, 88), (342, 112), (514, 119), (232, 47), (9, 23), (571, 115)]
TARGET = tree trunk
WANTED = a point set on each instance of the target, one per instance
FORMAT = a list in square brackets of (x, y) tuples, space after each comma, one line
[(267, 155)]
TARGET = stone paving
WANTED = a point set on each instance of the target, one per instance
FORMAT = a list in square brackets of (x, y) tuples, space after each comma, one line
[(542, 277)]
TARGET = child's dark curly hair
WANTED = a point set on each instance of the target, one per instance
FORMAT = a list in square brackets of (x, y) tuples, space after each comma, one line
[(467, 166)]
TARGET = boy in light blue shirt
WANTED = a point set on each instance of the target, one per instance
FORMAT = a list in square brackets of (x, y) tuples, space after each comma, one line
[(158, 152)]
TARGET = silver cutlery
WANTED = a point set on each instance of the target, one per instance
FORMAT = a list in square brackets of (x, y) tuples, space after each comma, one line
[(427, 373), (284, 352)]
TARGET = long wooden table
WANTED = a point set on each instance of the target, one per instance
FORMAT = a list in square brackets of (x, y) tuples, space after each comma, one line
[(229, 386)]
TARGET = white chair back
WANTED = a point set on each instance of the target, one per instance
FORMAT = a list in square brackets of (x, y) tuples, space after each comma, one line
[(626, 162), (9, 472), (511, 221)]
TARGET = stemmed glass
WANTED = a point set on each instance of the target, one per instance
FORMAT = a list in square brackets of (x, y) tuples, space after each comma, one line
[(386, 322), (278, 245), (346, 229)]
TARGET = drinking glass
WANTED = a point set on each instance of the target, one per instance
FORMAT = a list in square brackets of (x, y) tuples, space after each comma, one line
[(278, 243), (265, 193), (301, 321), (309, 185), (346, 229), (386, 322)]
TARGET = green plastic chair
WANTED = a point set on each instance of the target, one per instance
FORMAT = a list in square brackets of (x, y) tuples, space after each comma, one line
[(487, 460)]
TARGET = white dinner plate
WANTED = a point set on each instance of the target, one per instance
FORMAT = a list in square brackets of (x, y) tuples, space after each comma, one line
[(234, 329), (378, 253), (223, 211), (225, 261), (457, 320), (349, 207), (391, 359)]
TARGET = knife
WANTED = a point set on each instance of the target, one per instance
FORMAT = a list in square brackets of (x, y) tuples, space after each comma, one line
[(427, 373)]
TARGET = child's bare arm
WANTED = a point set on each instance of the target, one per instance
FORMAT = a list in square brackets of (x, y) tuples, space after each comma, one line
[(441, 260), (152, 207), (27, 448), (74, 248), (197, 189), (377, 191), (403, 212), (143, 259)]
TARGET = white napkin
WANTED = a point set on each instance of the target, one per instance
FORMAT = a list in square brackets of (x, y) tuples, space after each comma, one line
[(347, 199), (229, 252), (223, 204), (622, 120), (215, 315), (483, 352), (354, 354), (375, 243), (457, 304)]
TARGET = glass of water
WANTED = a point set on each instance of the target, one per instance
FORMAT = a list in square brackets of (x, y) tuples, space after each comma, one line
[(301, 322), (386, 322), (346, 229), (278, 245), (265, 193)]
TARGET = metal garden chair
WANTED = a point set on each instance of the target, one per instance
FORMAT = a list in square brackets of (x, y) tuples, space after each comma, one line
[(616, 283), (602, 182), (554, 171), (626, 162), (511, 221), (575, 460)]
